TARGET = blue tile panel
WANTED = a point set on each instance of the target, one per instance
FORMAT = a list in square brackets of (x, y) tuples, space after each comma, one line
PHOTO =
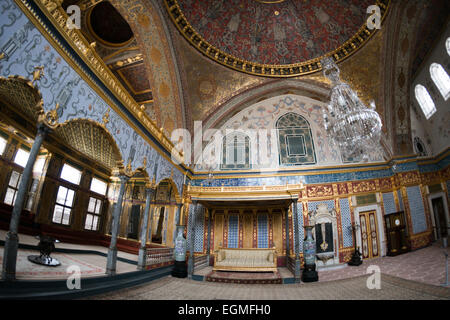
[(300, 230), (346, 222), (198, 228), (309, 179), (263, 231), (188, 234), (315, 175), (389, 203), (419, 223), (233, 231), (313, 204)]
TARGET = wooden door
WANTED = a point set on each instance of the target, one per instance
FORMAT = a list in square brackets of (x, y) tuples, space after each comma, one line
[(370, 247)]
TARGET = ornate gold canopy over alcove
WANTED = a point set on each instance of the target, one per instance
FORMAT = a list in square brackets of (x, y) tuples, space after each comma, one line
[(91, 139), (22, 97)]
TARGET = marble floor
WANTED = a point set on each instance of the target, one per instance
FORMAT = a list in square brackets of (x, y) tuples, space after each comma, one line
[(392, 288), (415, 275), (426, 265), (91, 265)]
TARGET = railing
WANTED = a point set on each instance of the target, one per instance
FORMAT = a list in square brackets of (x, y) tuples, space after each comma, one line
[(275, 188), (200, 262), (290, 263), (159, 257)]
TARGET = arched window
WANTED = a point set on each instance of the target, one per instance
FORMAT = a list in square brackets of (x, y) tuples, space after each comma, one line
[(425, 101), (296, 146), (440, 79), (236, 152)]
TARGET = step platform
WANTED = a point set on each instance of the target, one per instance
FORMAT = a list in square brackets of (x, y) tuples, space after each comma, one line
[(244, 277)]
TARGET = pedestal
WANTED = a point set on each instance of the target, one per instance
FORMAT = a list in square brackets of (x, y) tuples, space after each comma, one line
[(179, 269), (45, 261), (356, 259), (310, 274)]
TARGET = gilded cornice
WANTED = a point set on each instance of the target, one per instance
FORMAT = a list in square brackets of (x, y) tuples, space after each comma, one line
[(290, 191), (278, 71)]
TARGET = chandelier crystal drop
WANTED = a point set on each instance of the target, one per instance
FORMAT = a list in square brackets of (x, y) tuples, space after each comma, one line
[(352, 126)]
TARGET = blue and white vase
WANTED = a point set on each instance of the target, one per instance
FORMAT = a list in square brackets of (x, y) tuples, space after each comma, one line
[(309, 247), (180, 245)]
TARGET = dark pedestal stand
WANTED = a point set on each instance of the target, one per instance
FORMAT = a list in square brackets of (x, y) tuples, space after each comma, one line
[(356, 259), (310, 274), (179, 269), (46, 246)]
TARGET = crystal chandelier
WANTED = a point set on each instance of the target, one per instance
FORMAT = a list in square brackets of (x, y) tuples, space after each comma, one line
[(353, 127)]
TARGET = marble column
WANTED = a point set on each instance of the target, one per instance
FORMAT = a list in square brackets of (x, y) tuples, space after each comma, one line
[(288, 249), (208, 243), (12, 238), (112, 251), (192, 239), (297, 240), (142, 249)]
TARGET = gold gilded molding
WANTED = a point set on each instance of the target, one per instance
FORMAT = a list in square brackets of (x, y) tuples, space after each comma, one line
[(319, 190), (277, 71), (244, 192)]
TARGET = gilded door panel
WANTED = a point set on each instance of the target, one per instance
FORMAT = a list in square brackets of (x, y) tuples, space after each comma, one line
[(374, 234), (364, 237), (369, 235)]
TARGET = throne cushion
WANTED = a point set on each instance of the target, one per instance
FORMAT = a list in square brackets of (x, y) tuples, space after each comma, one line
[(243, 259)]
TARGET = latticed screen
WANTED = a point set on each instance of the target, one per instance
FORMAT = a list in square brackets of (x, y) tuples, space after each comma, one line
[(263, 234), (233, 231)]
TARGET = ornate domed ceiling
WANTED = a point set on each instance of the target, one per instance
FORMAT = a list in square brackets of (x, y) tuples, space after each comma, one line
[(274, 38), (107, 25)]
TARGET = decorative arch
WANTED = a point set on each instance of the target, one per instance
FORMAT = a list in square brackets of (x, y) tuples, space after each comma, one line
[(20, 93), (91, 139), (425, 101), (169, 187), (295, 140), (307, 88), (441, 79)]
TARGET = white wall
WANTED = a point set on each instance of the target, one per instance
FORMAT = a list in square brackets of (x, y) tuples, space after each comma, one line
[(436, 129)]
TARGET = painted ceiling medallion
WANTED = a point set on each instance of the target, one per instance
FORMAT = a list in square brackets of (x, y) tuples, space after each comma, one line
[(253, 38)]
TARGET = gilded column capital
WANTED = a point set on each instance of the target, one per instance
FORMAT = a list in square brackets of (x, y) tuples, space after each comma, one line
[(49, 118), (121, 172)]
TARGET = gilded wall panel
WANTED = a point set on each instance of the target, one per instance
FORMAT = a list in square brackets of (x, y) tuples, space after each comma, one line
[(248, 230), (278, 233), (218, 231)]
